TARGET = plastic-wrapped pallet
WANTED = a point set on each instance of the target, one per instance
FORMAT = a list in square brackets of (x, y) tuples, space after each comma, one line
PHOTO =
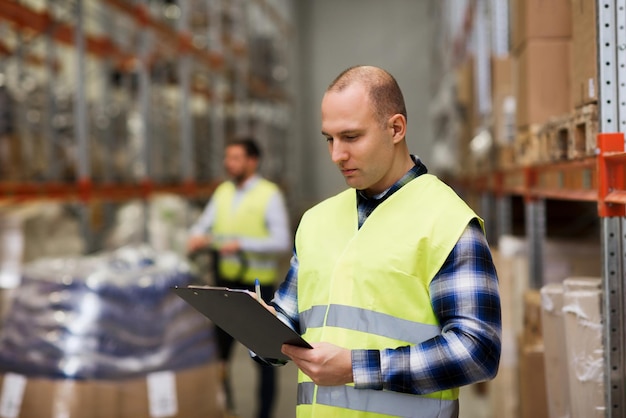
[(583, 339), (105, 319), (555, 360)]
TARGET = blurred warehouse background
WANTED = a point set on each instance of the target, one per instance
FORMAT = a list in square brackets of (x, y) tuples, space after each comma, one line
[(113, 117)]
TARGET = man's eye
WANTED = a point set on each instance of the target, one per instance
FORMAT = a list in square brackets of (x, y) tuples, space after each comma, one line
[(328, 138)]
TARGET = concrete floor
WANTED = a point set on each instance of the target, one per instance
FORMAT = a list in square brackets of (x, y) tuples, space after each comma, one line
[(244, 379)]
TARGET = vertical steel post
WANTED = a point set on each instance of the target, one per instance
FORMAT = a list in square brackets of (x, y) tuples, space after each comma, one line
[(81, 127), (504, 216), (611, 45), (240, 62), (218, 132), (49, 133), (186, 126), (613, 245), (145, 95), (81, 123), (535, 234)]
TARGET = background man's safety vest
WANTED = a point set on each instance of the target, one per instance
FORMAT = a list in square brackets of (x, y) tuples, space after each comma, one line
[(247, 220)]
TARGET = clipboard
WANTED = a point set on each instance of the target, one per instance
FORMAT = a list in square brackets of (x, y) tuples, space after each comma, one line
[(244, 318)]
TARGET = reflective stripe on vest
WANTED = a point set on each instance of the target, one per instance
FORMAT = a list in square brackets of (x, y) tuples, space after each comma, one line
[(378, 402), (247, 220), (367, 288), (350, 317)]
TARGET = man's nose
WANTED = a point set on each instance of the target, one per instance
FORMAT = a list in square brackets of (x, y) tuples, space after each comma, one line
[(338, 152)]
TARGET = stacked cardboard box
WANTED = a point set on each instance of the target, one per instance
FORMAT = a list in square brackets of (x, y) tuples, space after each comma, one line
[(533, 399), (465, 94), (584, 66), (503, 389), (572, 333), (555, 359), (583, 340), (516, 389), (191, 393), (502, 99), (541, 39), (503, 105)]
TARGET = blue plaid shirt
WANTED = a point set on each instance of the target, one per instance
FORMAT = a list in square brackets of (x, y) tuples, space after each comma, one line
[(464, 296)]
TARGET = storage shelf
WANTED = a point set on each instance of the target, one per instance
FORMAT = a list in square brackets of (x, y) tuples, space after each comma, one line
[(600, 178), (20, 192), (42, 22), (203, 93)]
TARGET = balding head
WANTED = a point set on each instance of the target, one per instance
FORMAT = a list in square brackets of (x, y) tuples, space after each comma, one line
[(384, 92)]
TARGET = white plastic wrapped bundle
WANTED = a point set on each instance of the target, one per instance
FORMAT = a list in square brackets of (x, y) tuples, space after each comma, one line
[(106, 316)]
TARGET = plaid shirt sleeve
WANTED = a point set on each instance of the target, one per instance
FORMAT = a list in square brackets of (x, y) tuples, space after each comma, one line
[(465, 298), (286, 297), (286, 304)]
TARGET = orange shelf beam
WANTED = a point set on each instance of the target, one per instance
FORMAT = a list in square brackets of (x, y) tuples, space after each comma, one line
[(42, 22), (601, 178), (180, 42), (14, 192), (611, 162)]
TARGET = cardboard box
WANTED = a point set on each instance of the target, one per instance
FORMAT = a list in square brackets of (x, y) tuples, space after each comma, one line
[(542, 81), (195, 393), (532, 333), (555, 353), (562, 259), (465, 98), (504, 392), (503, 99), (584, 66), (464, 77), (539, 19), (583, 339), (504, 388), (502, 74), (533, 398)]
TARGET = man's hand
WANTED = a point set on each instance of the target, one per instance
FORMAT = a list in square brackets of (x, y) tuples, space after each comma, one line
[(196, 242), (326, 364), (262, 302), (230, 247)]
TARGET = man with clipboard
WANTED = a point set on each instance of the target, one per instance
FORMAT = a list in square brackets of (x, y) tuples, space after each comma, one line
[(391, 284), (392, 281)]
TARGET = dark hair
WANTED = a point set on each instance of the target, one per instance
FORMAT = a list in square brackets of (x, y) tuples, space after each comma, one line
[(249, 145), (384, 91)]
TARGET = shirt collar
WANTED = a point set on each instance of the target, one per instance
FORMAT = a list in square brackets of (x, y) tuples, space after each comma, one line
[(249, 183)]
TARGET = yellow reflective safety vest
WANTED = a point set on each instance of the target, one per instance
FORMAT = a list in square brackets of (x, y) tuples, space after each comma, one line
[(246, 220), (368, 288)]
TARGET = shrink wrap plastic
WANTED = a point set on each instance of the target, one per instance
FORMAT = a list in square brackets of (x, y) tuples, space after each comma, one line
[(106, 316)]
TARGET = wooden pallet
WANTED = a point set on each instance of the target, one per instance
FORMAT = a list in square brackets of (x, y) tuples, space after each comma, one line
[(558, 137), (505, 156), (544, 136), (526, 145), (584, 130)]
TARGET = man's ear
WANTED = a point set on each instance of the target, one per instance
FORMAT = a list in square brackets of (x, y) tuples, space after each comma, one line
[(397, 124)]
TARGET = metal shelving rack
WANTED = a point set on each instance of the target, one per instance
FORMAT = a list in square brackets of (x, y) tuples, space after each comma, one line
[(216, 54), (601, 179), (167, 67), (612, 114)]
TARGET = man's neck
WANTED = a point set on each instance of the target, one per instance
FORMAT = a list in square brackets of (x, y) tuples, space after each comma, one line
[(241, 183)]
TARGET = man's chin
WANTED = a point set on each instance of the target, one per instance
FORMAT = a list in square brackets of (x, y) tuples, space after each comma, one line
[(353, 183)]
